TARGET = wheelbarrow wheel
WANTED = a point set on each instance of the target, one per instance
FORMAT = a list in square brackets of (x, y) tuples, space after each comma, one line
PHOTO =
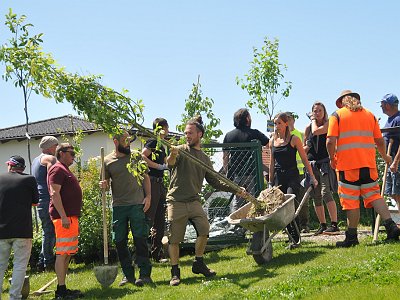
[(257, 243)]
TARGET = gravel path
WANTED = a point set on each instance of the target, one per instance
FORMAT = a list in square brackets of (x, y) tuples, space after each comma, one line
[(324, 238)]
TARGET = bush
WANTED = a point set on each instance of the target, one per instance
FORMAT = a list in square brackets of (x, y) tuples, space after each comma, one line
[(91, 220)]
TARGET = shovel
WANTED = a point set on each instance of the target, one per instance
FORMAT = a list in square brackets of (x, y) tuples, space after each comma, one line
[(106, 274)]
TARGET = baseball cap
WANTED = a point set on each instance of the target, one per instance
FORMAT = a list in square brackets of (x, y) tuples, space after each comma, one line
[(390, 99), (16, 161)]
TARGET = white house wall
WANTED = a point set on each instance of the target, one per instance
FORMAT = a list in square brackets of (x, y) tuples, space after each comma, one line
[(90, 145)]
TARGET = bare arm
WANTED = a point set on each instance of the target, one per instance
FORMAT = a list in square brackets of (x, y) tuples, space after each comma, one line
[(56, 197), (48, 161), (331, 148), (395, 164), (296, 142), (171, 159), (271, 163), (380, 145), (318, 130), (306, 134), (147, 191), (146, 152)]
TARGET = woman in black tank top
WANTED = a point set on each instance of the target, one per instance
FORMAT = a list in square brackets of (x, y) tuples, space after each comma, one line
[(315, 146), (283, 166)]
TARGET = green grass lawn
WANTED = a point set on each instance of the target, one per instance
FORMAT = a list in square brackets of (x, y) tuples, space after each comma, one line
[(313, 271)]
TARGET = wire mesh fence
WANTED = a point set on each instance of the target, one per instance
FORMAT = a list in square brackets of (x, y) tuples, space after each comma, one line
[(241, 163)]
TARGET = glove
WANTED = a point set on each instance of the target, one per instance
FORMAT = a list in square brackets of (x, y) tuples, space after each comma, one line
[(162, 167), (270, 185)]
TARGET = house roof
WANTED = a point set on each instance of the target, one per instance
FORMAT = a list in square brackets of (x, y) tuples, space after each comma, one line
[(67, 124)]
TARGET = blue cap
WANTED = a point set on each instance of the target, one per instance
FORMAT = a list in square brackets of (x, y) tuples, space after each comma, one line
[(390, 99)]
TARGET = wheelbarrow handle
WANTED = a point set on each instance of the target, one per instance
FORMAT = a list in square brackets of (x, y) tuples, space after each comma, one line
[(303, 200)]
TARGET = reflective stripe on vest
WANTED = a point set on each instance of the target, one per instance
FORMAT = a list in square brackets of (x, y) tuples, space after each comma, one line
[(355, 145), (356, 133), (66, 240), (66, 248)]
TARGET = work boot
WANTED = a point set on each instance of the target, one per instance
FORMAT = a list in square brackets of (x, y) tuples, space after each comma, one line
[(321, 229), (175, 277), (125, 281), (349, 241), (62, 293), (392, 231), (199, 267), (143, 280)]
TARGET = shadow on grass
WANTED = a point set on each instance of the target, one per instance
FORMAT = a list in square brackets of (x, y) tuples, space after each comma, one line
[(246, 279), (109, 293)]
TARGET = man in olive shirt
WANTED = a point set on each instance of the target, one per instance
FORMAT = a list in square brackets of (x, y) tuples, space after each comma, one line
[(130, 202), (184, 200)]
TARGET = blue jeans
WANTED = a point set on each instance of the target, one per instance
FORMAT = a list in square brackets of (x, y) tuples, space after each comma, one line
[(393, 183), (22, 252), (46, 256)]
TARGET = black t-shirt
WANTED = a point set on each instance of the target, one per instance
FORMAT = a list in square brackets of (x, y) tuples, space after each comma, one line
[(17, 194), (159, 156), (242, 162)]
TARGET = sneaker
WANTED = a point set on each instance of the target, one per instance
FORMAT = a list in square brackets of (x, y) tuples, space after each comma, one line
[(143, 280), (350, 241), (331, 230), (125, 281), (201, 268), (321, 229), (175, 277)]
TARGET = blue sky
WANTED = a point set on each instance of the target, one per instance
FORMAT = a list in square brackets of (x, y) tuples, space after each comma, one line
[(156, 49)]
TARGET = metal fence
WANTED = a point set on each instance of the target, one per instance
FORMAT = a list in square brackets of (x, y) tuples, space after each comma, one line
[(243, 165)]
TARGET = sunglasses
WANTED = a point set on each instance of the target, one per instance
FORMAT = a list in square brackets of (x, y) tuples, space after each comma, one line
[(70, 152)]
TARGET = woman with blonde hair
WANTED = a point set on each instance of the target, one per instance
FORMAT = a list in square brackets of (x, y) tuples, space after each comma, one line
[(283, 166)]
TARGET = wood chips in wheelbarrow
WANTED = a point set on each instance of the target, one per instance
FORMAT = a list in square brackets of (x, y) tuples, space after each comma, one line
[(267, 202)]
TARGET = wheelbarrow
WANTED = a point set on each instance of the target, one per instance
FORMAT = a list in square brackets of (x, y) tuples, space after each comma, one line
[(264, 228)]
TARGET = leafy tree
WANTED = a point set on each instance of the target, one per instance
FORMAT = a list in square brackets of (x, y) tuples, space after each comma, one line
[(19, 55), (265, 81), (197, 105), (112, 110)]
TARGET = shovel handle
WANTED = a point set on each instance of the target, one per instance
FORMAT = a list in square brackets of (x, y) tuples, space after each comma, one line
[(43, 289), (103, 203), (378, 217)]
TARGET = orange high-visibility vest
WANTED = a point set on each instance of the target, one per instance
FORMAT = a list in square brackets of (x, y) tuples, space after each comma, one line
[(355, 132)]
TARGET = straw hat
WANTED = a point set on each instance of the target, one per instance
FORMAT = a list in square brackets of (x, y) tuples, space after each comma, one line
[(343, 94)]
